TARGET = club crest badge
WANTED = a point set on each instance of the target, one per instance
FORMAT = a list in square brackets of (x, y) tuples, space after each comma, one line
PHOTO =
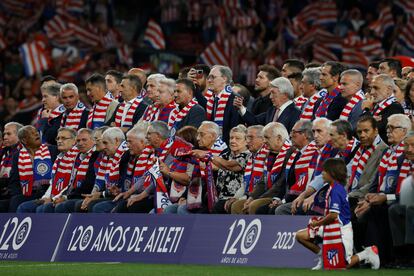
[(42, 168)]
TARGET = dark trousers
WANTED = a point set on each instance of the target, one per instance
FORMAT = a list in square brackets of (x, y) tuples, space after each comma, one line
[(143, 206)]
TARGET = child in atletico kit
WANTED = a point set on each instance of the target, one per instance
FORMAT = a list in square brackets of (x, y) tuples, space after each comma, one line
[(335, 227)]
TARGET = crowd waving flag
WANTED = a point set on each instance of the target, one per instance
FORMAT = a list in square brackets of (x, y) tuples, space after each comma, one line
[(154, 36)]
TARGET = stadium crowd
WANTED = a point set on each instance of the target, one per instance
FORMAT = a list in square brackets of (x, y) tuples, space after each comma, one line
[(202, 143)]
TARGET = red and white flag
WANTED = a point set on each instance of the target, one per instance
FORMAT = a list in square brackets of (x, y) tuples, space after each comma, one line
[(214, 54), (406, 37), (36, 58), (85, 33), (406, 6), (124, 55), (69, 74), (63, 6), (384, 23), (58, 31), (354, 58), (154, 36), (321, 53)]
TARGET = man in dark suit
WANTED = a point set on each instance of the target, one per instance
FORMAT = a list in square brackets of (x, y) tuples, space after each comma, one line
[(332, 104), (218, 101), (189, 112), (283, 111), (130, 91), (381, 103)]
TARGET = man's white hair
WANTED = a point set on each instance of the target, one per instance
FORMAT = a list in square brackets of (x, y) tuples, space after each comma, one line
[(113, 133)]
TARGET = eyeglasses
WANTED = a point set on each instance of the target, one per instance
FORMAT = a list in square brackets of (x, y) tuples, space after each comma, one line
[(62, 138), (296, 131), (212, 77), (392, 128)]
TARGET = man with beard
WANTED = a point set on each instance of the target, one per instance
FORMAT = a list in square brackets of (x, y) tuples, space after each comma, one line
[(198, 74), (266, 74)]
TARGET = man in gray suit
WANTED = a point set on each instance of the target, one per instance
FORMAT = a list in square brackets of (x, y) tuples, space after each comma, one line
[(351, 85), (362, 175)]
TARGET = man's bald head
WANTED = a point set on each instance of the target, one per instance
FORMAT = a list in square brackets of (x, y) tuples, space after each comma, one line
[(139, 73)]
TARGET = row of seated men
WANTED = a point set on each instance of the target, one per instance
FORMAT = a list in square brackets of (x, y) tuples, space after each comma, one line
[(263, 170)]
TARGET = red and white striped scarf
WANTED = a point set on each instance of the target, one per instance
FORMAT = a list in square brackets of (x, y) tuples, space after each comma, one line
[(389, 163), (6, 154), (74, 117), (108, 172), (127, 122), (360, 160), (299, 101), (278, 164), (345, 154), (97, 115), (301, 168), (255, 168), (81, 171), (145, 160), (405, 170), (28, 172), (177, 115), (56, 112), (383, 105), (218, 147), (151, 114), (359, 96), (223, 96), (62, 171), (309, 108)]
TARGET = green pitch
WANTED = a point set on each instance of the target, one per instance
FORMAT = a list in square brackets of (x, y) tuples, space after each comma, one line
[(112, 269)]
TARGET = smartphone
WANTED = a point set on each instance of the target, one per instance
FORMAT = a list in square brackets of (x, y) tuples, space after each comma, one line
[(199, 74)]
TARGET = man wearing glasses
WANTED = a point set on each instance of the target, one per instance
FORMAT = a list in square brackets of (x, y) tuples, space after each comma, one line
[(372, 209), (220, 98)]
